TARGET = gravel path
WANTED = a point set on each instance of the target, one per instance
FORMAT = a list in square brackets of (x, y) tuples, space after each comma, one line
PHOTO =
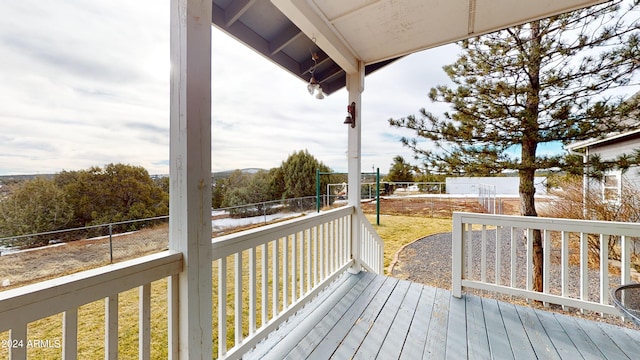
[(428, 261)]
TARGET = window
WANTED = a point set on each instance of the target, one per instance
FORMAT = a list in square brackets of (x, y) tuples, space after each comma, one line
[(612, 186)]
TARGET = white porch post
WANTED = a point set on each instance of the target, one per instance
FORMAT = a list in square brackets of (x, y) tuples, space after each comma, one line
[(355, 86), (190, 178)]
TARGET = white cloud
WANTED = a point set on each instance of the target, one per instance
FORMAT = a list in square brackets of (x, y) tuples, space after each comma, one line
[(86, 83)]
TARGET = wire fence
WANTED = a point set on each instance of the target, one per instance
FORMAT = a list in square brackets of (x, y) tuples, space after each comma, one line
[(14, 243), (487, 198), (223, 219)]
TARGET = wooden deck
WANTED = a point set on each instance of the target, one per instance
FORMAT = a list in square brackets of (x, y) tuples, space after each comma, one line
[(369, 316)]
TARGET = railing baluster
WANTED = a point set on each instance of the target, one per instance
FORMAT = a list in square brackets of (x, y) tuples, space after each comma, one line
[(332, 247), (308, 258), (252, 290), (238, 297), (565, 265), (18, 341), (584, 268), (111, 327), (514, 256), (321, 244), (625, 252), (457, 248), (529, 259), (315, 256), (285, 272), (469, 245), (341, 241), (265, 284), (144, 319), (222, 306), (275, 282), (347, 255), (498, 260), (604, 270), (483, 254), (546, 263), (302, 262), (294, 267), (70, 334), (173, 336), (338, 240)]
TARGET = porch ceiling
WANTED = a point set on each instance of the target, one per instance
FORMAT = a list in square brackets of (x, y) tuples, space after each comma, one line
[(375, 32)]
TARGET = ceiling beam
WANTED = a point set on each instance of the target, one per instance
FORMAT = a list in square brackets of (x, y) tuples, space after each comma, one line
[(306, 65), (245, 35), (330, 74), (236, 9), (317, 29), (284, 38)]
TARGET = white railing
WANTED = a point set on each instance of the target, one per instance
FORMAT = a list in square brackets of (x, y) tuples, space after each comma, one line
[(264, 274), (267, 274), (371, 246), (64, 295), (566, 243)]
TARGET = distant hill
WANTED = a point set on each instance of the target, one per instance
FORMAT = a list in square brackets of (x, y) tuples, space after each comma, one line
[(8, 179), (225, 174)]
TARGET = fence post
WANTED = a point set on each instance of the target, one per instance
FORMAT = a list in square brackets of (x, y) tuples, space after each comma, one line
[(111, 243), (264, 211), (457, 256)]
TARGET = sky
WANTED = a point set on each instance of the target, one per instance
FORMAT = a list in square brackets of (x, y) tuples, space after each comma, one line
[(86, 83)]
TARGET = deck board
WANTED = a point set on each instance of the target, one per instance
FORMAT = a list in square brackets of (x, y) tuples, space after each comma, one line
[(333, 339), (496, 331), (477, 340), (457, 329), (359, 330), (538, 337), (417, 335), (372, 316), (437, 339), (399, 329), (628, 341), (585, 345), (378, 331), (518, 337), (603, 342)]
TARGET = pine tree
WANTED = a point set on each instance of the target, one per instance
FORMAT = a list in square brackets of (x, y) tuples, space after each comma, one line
[(542, 82), (400, 170)]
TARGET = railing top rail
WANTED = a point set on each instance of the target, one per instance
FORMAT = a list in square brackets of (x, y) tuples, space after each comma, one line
[(230, 244), (546, 223), (54, 296)]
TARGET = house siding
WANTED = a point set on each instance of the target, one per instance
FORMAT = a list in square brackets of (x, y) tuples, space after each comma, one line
[(610, 151)]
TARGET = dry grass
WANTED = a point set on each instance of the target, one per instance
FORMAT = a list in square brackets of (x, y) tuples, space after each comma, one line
[(27, 267), (398, 231)]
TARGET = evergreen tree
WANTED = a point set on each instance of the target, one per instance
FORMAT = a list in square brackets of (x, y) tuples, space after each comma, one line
[(528, 85), (400, 170), (299, 175), (35, 206)]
